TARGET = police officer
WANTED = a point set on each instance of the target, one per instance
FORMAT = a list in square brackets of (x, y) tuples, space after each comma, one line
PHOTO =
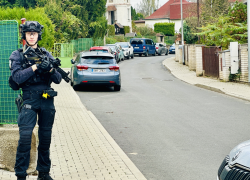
[(34, 77)]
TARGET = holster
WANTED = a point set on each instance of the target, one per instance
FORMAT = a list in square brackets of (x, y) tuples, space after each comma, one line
[(49, 93), (19, 102)]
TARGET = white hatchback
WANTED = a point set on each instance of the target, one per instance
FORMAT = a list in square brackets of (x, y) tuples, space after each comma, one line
[(128, 50)]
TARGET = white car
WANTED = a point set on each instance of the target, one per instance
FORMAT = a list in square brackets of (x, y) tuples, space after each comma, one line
[(128, 50)]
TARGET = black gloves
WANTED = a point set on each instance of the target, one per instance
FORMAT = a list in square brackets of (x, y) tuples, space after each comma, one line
[(45, 65)]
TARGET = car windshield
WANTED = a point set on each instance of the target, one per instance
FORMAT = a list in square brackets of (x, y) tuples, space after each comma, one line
[(136, 42), (112, 48), (124, 45)]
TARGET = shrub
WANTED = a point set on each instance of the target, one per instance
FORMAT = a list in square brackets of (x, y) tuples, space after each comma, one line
[(166, 28), (111, 30), (36, 14)]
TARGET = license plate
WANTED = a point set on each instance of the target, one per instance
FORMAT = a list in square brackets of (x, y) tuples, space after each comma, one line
[(136, 47), (99, 70)]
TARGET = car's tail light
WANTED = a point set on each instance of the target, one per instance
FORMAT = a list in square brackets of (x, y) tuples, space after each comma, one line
[(84, 81), (144, 47), (114, 68), (81, 67), (157, 48), (112, 81)]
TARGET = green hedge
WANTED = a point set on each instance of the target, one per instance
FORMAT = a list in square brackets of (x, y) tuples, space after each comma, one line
[(36, 14), (111, 30), (125, 30), (166, 28)]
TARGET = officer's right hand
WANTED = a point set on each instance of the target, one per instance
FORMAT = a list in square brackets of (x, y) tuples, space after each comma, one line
[(46, 65)]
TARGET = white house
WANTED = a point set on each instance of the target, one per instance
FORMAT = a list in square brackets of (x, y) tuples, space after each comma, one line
[(119, 11)]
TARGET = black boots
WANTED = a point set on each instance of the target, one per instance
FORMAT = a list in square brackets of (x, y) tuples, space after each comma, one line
[(44, 176), (21, 178)]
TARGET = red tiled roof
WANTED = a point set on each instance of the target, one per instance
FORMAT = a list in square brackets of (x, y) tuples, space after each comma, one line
[(175, 10), (165, 10), (162, 12)]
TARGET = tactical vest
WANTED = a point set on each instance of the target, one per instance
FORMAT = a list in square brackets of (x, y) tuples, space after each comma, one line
[(38, 77)]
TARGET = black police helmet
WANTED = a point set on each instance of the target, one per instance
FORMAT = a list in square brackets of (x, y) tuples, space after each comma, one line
[(31, 26)]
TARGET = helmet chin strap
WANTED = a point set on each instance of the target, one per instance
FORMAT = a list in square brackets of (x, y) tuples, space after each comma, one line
[(29, 44)]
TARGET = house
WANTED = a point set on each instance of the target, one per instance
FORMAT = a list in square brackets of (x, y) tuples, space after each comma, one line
[(170, 12), (118, 13)]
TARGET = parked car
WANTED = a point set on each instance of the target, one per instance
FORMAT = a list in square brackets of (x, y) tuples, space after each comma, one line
[(92, 68), (172, 49), (128, 49), (101, 49), (161, 49), (114, 50), (236, 165), (119, 51), (143, 46)]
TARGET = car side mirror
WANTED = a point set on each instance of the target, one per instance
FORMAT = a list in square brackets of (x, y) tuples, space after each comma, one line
[(129, 46), (72, 61)]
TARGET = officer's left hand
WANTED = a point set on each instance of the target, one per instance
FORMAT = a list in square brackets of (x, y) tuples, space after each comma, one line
[(46, 65)]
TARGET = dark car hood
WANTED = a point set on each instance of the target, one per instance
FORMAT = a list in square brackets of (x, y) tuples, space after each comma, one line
[(239, 156)]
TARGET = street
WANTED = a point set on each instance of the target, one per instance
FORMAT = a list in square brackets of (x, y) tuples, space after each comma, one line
[(171, 130)]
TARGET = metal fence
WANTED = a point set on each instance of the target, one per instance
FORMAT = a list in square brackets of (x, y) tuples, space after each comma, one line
[(8, 43), (63, 50)]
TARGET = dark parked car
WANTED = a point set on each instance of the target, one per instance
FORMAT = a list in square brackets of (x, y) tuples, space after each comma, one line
[(143, 46), (172, 49), (95, 68), (161, 49), (236, 165), (114, 50)]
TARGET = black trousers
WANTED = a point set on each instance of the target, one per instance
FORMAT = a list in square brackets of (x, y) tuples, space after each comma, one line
[(45, 109)]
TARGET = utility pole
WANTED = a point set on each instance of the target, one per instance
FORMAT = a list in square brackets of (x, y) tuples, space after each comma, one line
[(248, 39), (198, 17), (182, 37)]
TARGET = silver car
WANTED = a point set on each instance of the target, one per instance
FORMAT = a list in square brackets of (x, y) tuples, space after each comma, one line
[(95, 68), (236, 165), (128, 49), (161, 49)]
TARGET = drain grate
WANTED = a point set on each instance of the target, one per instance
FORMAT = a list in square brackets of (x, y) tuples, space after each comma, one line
[(167, 80)]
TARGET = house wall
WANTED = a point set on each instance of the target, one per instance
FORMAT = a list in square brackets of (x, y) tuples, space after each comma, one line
[(140, 24), (150, 22), (122, 13)]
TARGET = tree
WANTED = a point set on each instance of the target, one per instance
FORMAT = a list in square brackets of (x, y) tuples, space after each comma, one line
[(238, 13), (212, 9), (147, 7), (222, 32), (189, 37)]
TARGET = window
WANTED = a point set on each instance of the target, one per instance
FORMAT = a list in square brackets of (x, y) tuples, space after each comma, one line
[(110, 1), (78, 58), (148, 42), (128, 14)]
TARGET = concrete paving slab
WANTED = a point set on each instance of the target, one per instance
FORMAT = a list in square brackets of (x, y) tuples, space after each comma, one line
[(81, 148)]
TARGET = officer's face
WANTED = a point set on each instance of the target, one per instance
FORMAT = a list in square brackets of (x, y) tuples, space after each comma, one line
[(31, 37)]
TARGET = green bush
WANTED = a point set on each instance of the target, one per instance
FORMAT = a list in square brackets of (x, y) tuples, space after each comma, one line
[(111, 30), (110, 40), (36, 14), (166, 28)]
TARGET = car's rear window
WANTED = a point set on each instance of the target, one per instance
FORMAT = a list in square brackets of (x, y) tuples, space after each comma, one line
[(97, 60), (136, 42), (124, 45), (100, 50)]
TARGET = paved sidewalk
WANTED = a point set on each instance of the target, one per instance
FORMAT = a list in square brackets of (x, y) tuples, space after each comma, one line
[(81, 148), (182, 72)]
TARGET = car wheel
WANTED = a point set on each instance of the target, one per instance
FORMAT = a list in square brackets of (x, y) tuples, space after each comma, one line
[(146, 53), (128, 56), (117, 88), (76, 87), (159, 54), (71, 83), (154, 53), (139, 54), (132, 56)]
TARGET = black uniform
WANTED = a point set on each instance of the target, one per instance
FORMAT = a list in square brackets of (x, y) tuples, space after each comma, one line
[(33, 84)]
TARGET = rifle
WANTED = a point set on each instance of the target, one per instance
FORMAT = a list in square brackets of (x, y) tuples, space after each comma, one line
[(55, 63)]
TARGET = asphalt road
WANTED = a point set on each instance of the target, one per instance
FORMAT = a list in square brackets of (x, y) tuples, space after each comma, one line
[(171, 130)]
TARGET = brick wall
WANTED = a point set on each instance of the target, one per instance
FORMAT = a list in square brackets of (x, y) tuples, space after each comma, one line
[(198, 56), (192, 57), (176, 53), (244, 63), (226, 71)]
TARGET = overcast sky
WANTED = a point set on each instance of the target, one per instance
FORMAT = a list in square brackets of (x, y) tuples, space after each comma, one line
[(135, 2)]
